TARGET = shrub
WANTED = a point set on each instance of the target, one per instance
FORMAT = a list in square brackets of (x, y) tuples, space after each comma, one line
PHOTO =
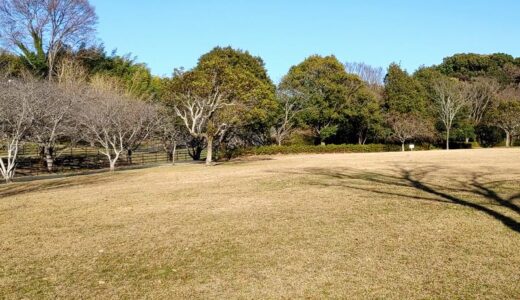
[(462, 145), (345, 148)]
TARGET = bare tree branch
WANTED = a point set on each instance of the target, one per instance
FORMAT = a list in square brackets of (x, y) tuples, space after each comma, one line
[(450, 96), (45, 27)]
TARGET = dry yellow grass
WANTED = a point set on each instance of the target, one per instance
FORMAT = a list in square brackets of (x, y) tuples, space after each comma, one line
[(388, 225)]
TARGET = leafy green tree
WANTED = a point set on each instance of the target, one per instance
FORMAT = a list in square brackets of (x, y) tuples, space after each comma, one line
[(403, 94), (244, 80), (465, 66), (246, 95), (328, 90), (366, 116)]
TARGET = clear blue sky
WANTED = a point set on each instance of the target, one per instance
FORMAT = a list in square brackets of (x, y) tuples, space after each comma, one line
[(168, 34)]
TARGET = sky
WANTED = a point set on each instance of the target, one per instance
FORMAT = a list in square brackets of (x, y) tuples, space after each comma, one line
[(168, 34)]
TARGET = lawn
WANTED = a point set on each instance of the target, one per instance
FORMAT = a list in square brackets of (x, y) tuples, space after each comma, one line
[(396, 225)]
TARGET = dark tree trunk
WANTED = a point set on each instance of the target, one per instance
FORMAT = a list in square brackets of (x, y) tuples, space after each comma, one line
[(195, 152), (129, 156)]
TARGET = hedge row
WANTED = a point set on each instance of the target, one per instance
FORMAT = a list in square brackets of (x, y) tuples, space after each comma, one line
[(345, 148), (295, 149)]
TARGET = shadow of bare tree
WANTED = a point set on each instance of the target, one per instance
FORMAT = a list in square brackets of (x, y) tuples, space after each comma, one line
[(12, 189), (468, 189)]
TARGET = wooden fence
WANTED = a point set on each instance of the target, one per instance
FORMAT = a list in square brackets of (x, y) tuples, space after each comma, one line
[(30, 161)]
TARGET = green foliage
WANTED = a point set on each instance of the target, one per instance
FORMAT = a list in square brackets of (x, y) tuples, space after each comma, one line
[(136, 77), (366, 118), (328, 131), (242, 80), (327, 90), (465, 66), (300, 137), (489, 136), (463, 131), (403, 94), (296, 149), (34, 60), (463, 145), (11, 65)]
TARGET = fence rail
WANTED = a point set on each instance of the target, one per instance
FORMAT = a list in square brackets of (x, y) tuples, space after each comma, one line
[(31, 162)]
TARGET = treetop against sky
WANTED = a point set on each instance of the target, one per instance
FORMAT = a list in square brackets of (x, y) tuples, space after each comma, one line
[(168, 34)]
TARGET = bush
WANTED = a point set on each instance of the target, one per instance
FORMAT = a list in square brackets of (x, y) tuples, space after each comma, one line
[(462, 145), (296, 149)]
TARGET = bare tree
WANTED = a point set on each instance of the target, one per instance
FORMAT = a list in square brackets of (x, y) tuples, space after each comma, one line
[(506, 113), (406, 127), (115, 122), (144, 124), (373, 76), (43, 28), (200, 117), (291, 103), (169, 132), (450, 97), (482, 92), (15, 121), (53, 110)]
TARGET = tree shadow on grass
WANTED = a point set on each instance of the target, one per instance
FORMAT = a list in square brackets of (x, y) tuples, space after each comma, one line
[(468, 189), (30, 184), (13, 189)]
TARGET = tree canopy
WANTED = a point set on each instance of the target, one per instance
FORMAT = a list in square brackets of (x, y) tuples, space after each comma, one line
[(328, 91)]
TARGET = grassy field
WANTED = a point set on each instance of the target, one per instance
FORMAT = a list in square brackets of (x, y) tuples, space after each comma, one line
[(430, 224)]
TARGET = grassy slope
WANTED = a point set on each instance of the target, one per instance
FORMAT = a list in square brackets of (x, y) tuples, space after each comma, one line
[(382, 225)]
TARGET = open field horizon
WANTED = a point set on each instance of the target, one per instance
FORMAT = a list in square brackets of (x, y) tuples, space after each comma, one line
[(425, 224)]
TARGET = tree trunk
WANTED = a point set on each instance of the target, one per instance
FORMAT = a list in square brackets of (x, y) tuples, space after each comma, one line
[(112, 165), (129, 156), (447, 139), (9, 175), (49, 159), (508, 139), (402, 146), (360, 139), (195, 152), (467, 140), (173, 152), (209, 151)]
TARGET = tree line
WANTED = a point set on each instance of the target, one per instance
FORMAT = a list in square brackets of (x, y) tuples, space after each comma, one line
[(59, 89)]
